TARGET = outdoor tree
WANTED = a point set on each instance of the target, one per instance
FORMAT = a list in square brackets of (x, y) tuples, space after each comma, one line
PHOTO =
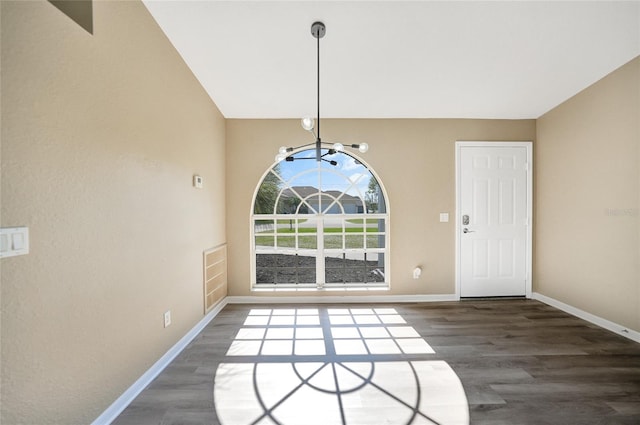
[(266, 197), (371, 196)]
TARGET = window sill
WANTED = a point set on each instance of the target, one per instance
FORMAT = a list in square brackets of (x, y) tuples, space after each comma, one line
[(326, 288)]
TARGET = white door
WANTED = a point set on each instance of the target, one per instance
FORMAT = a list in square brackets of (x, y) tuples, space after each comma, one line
[(493, 223)]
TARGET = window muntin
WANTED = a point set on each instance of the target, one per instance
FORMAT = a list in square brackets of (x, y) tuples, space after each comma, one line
[(319, 225)]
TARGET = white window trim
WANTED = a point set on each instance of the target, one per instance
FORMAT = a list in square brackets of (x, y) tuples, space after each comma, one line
[(320, 270)]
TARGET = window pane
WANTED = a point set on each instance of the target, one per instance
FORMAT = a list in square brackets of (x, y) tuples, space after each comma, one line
[(264, 241), (264, 275), (334, 270), (289, 170), (352, 204), (263, 226), (376, 225), (373, 196), (286, 241), (333, 241), (284, 260), (286, 225), (286, 275), (265, 260), (307, 225), (306, 261), (288, 203), (354, 241), (307, 275), (332, 225), (375, 259), (307, 241), (264, 268), (265, 200), (348, 268), (376, 241), (375, 274), (355, 224)]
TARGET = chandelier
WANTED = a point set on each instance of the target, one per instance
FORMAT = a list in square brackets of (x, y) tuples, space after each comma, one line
[(318, 30)]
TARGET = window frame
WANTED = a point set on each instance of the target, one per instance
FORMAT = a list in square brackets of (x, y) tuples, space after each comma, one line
[(320, 251)]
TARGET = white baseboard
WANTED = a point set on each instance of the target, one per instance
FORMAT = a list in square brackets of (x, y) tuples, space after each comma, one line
[(132, 392), (596, 320), (336, 299)]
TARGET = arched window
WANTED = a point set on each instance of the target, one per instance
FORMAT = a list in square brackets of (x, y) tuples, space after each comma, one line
[(320, 225)]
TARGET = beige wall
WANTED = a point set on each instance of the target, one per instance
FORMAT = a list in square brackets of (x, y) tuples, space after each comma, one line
[(588, 198), (101, 135), (415, 160)]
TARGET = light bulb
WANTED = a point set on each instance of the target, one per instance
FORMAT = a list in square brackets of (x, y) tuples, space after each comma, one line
[(283, 150), (338, 147), (280, 157), (363, 147), (307, 123)]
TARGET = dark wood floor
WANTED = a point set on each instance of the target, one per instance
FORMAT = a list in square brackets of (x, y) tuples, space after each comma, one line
[(519, 361)]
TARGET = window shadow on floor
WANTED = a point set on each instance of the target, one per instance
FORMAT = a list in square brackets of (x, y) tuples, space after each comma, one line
[(334, 366)]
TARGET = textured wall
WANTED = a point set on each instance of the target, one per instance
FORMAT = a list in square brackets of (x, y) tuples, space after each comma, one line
[(415, 160), (587, 199), (101, 134)]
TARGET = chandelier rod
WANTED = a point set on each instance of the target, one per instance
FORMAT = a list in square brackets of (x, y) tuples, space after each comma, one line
[(318, 33), (318, 30)]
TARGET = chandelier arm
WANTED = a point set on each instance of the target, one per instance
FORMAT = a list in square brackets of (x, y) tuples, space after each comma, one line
[(331, 151), (293, 148), (301, 146), (332, 162)]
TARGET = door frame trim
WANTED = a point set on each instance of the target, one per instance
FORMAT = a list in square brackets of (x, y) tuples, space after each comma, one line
[(529, 243)]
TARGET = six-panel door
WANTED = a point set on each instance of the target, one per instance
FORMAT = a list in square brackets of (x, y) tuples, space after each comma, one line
[(493, 200)]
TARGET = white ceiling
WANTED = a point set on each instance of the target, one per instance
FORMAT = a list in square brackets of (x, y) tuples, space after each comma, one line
[(413, 59)]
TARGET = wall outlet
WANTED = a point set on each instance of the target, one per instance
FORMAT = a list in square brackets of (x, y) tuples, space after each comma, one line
[(417, 272), (167, 318)]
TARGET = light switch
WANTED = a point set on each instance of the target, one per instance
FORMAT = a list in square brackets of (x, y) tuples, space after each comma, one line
[(14, 241), (197, 182), (444, 217), (17, 240), (4, 242)]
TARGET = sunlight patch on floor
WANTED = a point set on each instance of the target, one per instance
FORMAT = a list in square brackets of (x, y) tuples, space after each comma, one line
[(373, 368), (400, 393)]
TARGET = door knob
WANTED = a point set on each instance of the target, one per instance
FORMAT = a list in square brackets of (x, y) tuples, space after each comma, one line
[(465, 230)]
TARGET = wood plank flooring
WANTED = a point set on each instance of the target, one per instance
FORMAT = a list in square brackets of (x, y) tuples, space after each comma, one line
[(519, 362)]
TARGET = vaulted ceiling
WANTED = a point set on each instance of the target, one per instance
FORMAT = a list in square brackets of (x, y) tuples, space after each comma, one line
[(399, 59)]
